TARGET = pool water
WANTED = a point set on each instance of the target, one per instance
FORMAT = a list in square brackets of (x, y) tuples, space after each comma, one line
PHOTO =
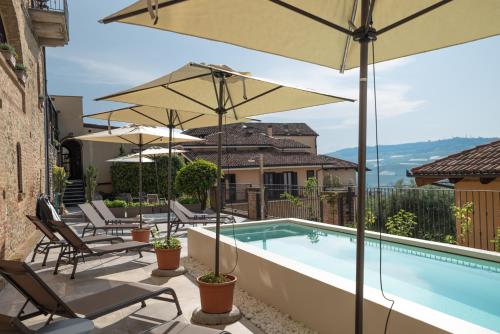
[(460, 286)]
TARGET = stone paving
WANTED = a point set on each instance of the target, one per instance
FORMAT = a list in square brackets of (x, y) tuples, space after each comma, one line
[(102, 273)]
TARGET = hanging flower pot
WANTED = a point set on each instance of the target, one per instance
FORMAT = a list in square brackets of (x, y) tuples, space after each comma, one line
[(216, 293), (21, 73), (140, 234), (8, 53)]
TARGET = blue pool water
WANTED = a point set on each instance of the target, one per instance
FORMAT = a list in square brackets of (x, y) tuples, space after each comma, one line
[(460, 286)]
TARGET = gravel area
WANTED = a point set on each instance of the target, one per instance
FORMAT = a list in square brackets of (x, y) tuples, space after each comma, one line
[(267, 318)]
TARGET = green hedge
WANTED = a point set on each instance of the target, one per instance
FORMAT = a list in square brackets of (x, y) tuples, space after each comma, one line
[(125, 176)]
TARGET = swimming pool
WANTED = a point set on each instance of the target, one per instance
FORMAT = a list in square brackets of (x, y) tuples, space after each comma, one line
[(463, 287)]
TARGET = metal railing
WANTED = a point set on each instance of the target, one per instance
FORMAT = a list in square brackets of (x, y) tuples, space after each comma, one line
[(290, 201), (49, 5)]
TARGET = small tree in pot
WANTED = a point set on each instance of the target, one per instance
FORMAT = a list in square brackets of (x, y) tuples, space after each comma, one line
[(60, 181), (90, 183)]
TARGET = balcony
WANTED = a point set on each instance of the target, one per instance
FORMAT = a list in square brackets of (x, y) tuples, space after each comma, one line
[(49, 21)]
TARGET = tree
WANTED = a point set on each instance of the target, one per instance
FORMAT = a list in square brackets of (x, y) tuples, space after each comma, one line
[(60, 181), (310, 192), (196, 179), (90, 183), (464, 217)]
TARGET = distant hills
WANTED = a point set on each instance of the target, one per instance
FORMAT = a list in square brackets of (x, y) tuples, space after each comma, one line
[(396, 159)]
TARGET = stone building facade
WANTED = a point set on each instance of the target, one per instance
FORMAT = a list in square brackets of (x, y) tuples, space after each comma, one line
[(25, 124)]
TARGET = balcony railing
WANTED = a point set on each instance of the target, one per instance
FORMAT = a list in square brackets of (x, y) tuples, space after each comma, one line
[(50, 5)]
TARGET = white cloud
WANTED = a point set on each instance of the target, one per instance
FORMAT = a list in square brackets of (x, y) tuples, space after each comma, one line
[(96, 71)]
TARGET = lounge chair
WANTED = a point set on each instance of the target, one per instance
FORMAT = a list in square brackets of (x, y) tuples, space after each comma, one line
[(195, 215), (97, 223), (77, 249), (183, 219), (93, 306), (50, 240), (182, 327), (108, 215)]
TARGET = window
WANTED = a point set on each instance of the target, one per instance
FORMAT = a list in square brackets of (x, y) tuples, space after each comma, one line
[(3, 36), (309, 174), (19, 169)]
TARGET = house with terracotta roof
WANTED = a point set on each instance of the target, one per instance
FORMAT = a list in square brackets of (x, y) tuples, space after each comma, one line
[(289, 152), (475, 176)]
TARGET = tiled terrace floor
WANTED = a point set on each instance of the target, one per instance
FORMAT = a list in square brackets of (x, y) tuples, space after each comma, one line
[(101, 273)]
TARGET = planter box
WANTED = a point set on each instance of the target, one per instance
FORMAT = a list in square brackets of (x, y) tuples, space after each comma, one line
[(118, 212), (9, 57), (22, 76)]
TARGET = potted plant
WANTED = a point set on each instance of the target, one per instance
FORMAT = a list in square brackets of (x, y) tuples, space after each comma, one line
[(60, 181), (90, 183), (21, 72), (216, 292), (168, 251), (9, 53)]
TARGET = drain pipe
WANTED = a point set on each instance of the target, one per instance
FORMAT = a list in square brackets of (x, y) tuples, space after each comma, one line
[(46, 124)]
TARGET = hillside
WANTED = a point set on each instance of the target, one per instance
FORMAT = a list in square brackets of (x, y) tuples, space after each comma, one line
[(396, 159)]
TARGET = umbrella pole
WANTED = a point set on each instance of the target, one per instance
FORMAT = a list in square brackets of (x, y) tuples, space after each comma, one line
[(364, 39), (169, 171), (218, 193), (140, 181), (156, 172)]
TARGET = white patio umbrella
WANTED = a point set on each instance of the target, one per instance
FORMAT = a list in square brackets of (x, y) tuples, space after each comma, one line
[(332, 33), (219, 90), (131, 159), (138, 135)]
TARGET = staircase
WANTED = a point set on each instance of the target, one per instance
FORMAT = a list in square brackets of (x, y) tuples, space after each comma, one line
[(74, 194)]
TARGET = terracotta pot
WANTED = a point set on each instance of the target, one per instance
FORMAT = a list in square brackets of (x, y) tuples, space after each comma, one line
[(217, 298), (168, 259), (141, 235)]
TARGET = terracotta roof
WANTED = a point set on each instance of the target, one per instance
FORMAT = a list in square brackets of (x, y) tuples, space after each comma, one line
[(272, 158), (482, 160), (278, 129), (238, 137)]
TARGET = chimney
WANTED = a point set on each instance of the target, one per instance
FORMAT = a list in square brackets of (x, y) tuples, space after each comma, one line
[(270, 130)]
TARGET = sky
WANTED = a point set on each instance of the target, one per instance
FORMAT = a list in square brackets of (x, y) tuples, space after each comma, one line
[(440, 94)]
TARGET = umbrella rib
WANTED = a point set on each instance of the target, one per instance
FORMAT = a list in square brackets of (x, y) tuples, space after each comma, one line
[(189, 98), (348, 38), (230, 100), (131, 142), (413, 16), (149, 117), (138, 11), (153, 140), (257, 96), (190, 119), (140, 90), (312, 16)]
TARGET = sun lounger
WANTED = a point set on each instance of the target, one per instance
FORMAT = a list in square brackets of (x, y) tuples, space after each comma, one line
[(77, 249), (97, 223), (182, 327), (108, 216), (50, 240), (93, 306), (183, 219), (195, 215)]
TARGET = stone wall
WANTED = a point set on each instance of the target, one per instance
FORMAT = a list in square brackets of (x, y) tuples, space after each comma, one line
[(21, 125)]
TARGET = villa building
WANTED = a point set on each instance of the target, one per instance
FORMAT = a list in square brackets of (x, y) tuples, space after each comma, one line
[(27, 136), (475, 175), (289, 152)]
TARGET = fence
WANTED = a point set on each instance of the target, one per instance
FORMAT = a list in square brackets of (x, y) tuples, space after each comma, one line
[(470, 218), (50, 5)]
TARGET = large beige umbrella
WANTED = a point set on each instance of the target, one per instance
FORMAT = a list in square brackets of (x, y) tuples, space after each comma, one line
[(219, 90), (138, 135), (333, 33), (132, 158)]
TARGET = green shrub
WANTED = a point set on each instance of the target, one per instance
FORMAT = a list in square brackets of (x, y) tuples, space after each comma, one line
[(90, 183), (116, 203), (214, 279), (195, 179), (8, 47), (186, 199), (402, 223), (125, 176), (164, 243), (60, 181), (496, 241), (20, 67), (464, 218)]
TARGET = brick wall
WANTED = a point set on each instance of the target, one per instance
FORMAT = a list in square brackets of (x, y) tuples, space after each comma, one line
[(21, 121)]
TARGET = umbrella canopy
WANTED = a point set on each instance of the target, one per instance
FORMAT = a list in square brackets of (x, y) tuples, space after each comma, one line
[(137, 135), (130, 158), (158, 151), (284, 27), (154, 116), (197, 87)]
